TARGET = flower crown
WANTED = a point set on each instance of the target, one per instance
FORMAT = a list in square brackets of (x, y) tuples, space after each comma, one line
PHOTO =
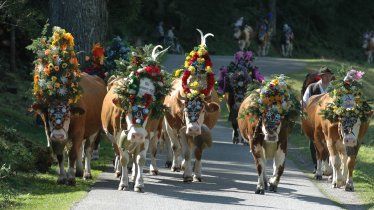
[(197, 65), (275, 96), (143, 64), (56, 73), (348, 100)]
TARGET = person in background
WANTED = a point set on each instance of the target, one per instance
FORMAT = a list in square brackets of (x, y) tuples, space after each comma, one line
[(314, 89), (161, 32)]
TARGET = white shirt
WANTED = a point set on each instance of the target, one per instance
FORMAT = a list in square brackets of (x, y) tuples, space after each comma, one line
[(308, 91)]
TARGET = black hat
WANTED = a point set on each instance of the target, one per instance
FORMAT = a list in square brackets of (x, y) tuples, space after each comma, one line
[(324, 70)]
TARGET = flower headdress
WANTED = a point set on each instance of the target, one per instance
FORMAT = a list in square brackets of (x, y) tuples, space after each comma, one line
[(144, 64), (274, 97), (198, 76), (94, 63), (56, 73), (348, 100), (117, 52)]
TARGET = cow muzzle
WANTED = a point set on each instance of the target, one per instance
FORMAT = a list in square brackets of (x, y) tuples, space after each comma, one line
[(349, 140), (58, 135), (136, 134), (193, 129), (271, 137)]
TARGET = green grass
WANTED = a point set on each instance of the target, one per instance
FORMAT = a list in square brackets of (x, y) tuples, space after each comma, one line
[(299, 150), (37, 190)]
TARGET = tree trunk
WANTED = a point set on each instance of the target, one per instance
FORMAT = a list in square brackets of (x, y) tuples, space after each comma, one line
[(86, 20), (13, 49), (273, 10)]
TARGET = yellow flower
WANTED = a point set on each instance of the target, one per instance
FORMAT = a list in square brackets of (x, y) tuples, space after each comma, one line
[(54, 79), (200, 60), (201, 52), (178, 72), (192, 53), (185, 64), (64, 65), (203, 96), (188, 58), (208, 69), (189, 95), (194, 92), (274, 82), (194, 85), (50, 66), (191, 69)]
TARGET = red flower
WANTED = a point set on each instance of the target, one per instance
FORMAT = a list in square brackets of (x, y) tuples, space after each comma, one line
[(186, 74), (208, 62)]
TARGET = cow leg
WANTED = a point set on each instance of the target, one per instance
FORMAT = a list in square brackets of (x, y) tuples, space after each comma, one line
[(186, 142), (96, 146), (153, 170), (73, 154), (88, 148), (140, 162), (278, 167), (175, 145), (283, 50), (117, 162), (62, 178), (337, 180), (79, 163), (351, 164), (197, 165), (124, 159), (167, 147), (258, 156)]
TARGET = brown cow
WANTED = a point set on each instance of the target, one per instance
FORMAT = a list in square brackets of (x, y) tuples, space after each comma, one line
[(82, 122), (190, 136), (342, 155), (131, 128), (266, 142)]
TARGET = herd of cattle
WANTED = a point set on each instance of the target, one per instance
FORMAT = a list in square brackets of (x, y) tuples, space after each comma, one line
[(187, 123)]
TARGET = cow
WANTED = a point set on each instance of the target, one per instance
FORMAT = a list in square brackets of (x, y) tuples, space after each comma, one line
[(244, 36), (267, 135), (131, 128), (264, 43), (193, 110), (342, 137), (74, 124), (287, 43), (190, 136)]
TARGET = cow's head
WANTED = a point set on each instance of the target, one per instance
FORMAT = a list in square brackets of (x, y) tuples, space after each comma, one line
[(271, 125), (194, 113), (349, 128), (56, 117)]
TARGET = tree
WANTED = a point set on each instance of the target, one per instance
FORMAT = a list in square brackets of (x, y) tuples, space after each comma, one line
[(273, 10), (86, 20)]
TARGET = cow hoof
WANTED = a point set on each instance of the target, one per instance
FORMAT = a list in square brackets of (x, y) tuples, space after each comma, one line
[(273, 188), (71, 182), (168, 164), (187, 179), (197, 179), (260, 191), (123, 188), (87, 176), (139, 189), (61, 180), (117, 174), (175, 169), (318, 177), (154, 172), (235, 140), (349, 188)]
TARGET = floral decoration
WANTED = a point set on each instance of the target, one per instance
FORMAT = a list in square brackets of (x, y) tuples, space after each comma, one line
[(118, 52), (143, 65), (56, 72), (348, 100), (197, 77), (94, 63), (275, 97)]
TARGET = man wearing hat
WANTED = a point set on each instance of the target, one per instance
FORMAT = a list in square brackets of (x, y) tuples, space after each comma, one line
[(314, 89)]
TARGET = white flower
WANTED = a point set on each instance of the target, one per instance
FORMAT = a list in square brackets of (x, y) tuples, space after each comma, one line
[(40, 67), (161, 84), (54, 50), (131, 91), (62, 91), (282, 84), (63, 79), (140, 70), (58, 61), (40, 53), (42, 83)]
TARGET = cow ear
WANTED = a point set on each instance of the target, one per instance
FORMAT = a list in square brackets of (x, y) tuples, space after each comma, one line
[(77, 111), (212, 107)]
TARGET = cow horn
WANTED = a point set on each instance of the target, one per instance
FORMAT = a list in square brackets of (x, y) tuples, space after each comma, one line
[(203, 37), (154, 54)]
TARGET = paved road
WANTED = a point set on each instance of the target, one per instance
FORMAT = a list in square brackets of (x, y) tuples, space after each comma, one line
[(267, 65), (229, 181), (229, 175)]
